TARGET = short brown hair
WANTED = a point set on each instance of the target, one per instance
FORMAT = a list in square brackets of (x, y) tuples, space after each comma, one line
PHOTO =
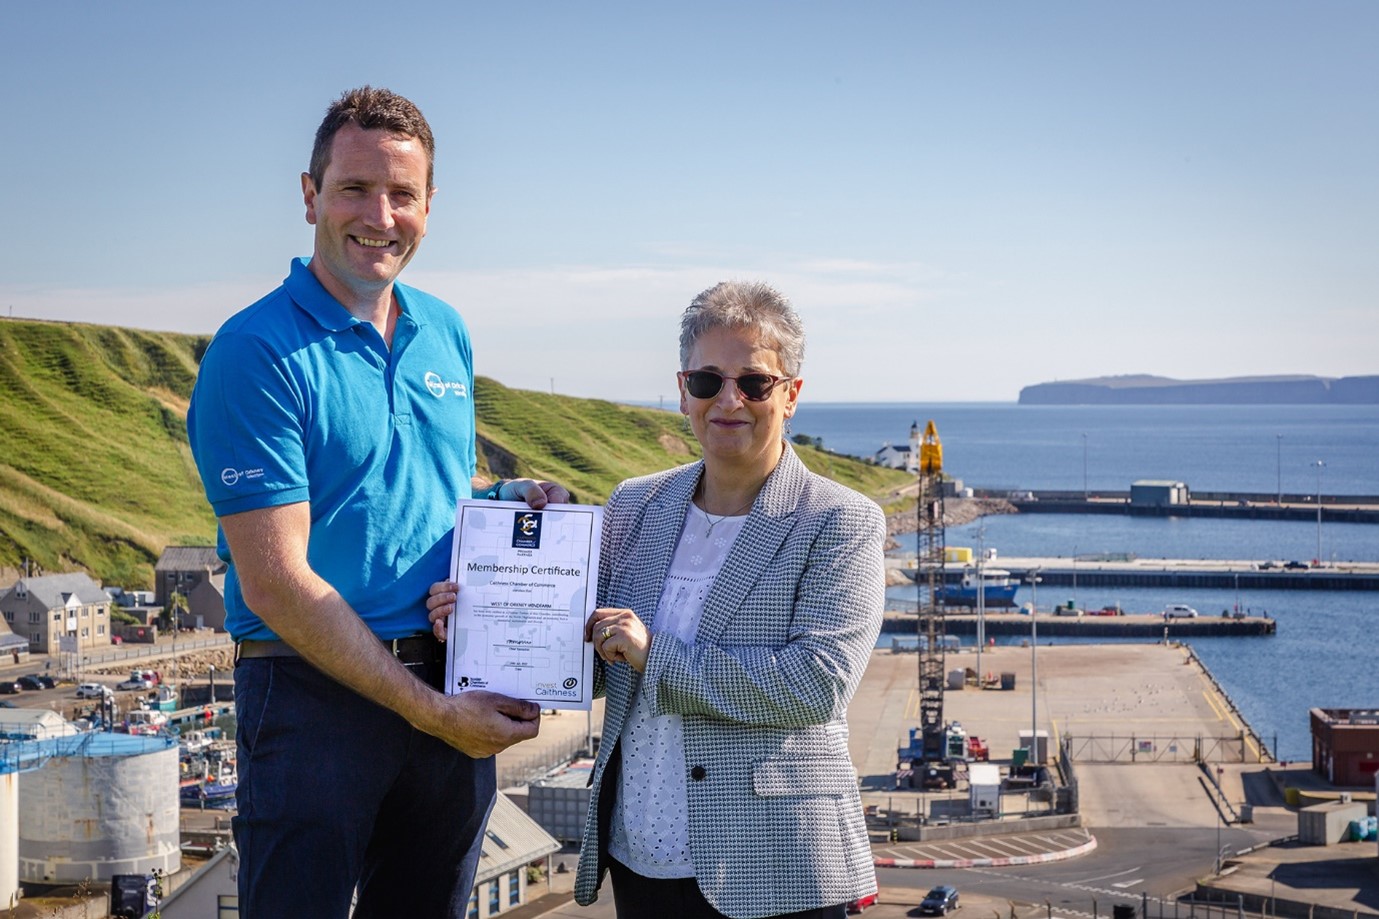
[(372, 109)]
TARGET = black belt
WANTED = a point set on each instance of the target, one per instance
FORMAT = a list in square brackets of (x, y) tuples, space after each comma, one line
[(412, 650)]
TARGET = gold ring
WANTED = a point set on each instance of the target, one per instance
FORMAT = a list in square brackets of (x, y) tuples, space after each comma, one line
[(607, 632)]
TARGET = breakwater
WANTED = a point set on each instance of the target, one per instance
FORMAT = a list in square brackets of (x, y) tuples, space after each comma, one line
[(1180, 574), (1227, 505), (1006, 625)]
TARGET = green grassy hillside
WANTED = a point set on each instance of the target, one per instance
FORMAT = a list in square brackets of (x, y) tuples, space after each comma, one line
[(96, 473)]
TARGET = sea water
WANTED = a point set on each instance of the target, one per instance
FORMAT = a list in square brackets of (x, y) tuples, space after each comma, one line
[(1323, 654)]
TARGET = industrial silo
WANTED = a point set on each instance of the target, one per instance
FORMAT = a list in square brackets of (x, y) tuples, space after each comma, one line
[(100, 805)]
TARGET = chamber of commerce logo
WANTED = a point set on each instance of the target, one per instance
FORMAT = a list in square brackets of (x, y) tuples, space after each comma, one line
[(526, 530), (439, 387)]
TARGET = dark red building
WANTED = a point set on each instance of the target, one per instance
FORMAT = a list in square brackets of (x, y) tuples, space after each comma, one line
[(1345, 745)]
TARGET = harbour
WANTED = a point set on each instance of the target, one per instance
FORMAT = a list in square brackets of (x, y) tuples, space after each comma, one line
[(1123, 570)]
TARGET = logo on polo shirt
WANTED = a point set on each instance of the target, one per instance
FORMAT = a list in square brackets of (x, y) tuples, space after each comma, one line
[(526, 530), (438, 387), (231, 476)]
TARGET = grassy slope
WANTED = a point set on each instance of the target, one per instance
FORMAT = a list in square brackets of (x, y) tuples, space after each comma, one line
[(95, 471)]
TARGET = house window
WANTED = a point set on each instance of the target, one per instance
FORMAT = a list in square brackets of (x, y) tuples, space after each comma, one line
[(85, 612), (38, 617), (85, 633), (9, 617), (474, 903), (494, 903), (57, 617), (36, 638), (515, 887), (100, 629), (226, 906)]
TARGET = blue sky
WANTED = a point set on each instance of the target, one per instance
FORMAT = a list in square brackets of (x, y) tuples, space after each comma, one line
[(960, 198)]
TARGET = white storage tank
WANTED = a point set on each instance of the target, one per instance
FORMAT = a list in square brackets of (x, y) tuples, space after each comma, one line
[(104, 804)]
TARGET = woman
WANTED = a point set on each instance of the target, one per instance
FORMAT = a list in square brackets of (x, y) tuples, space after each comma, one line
[(741, 597)]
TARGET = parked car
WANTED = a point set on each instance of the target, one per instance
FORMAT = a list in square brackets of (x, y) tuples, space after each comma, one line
[(861, 903), (6, 703), (30, 682), (1112, 610), (1267, 566), (939, 901), (93, 691), (10, 687), (133, 683), (43, 678), (1179, 611), (1296, 565)]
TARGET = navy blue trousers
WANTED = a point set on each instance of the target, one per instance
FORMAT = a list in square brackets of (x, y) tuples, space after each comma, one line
[(336, 791)]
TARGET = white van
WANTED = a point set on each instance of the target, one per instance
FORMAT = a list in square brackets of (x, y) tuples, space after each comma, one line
[(1179, 611)]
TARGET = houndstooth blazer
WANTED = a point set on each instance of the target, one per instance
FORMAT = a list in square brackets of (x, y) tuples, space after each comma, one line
[(775, 817)]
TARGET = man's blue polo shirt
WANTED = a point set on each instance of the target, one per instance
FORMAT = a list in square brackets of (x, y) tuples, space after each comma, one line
[(296, 400)]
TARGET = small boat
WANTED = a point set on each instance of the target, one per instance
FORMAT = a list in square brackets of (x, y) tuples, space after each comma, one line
[(144, 721), (163, 698), (191, 743), (997, 587), (209, 778)]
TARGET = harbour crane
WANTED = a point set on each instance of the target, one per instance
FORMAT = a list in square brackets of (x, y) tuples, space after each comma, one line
[(929, 746)]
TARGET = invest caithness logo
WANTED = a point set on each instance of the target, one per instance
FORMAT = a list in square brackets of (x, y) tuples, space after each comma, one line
[(526, 530), (437, 386)]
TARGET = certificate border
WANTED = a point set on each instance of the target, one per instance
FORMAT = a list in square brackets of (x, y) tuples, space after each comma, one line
[(594, 514)]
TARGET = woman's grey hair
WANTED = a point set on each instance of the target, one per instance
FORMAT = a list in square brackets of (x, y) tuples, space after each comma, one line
[(750, 305)]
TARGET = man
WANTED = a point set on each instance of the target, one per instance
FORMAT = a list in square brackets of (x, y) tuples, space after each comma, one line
[(333, 426)]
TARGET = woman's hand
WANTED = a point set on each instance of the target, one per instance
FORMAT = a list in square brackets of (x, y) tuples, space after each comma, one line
[(619, 635), (440, 601)]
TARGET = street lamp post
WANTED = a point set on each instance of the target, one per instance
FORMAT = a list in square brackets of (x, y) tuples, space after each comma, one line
[(1219, 797), (1320, 464), (211, 677), (1034, 663)]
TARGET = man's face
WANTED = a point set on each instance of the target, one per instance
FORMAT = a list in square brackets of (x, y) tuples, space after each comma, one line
[(369, 213)]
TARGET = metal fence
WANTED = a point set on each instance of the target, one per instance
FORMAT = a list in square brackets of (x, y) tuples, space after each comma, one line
[(1204, 904), (130, 653), (524, 769), (1162, 748)]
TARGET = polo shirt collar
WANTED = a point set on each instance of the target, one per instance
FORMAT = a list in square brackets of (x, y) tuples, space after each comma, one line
[(317, 302)]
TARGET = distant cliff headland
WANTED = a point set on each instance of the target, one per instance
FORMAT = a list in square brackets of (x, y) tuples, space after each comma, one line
[(1143, 389)]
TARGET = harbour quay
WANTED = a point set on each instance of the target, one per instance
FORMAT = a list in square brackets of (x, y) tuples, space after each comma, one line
[(1229, 505), (1122, 571), (1018, 625), (1131, 571)]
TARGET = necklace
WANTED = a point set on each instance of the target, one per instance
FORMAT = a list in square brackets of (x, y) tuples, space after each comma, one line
[(710, 518)]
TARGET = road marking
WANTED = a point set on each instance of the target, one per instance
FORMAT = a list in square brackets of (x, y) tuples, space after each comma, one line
[(1124, 884), (1104, 877)]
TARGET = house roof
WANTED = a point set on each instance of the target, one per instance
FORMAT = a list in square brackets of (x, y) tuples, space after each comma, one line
[(189, 558), (52, 590), (511, 840)]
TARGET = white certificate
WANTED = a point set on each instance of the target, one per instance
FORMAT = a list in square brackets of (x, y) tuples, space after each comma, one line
[(528, 581)]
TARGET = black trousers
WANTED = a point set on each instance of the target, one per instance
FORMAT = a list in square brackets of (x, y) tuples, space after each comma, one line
[(637, 897)]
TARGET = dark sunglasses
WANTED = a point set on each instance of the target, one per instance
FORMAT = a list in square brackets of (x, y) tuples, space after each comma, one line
[(755, 387)]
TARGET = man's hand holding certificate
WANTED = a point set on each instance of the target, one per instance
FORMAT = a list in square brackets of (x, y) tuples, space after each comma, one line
[(527, 581)]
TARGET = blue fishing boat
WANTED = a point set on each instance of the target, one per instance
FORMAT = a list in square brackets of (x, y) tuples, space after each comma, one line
[(996, 585)]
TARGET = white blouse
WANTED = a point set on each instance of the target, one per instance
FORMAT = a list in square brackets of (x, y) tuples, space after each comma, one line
[(650, 826)]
